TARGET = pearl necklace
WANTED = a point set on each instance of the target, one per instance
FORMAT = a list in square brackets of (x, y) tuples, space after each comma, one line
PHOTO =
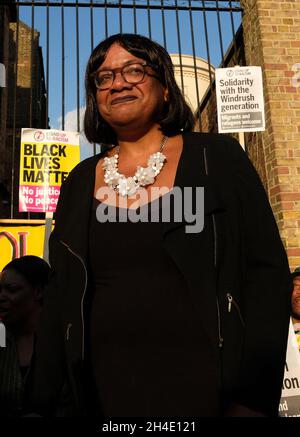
[(142, 177)]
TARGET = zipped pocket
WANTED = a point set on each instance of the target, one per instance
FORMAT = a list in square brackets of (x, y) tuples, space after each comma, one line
[(231, 302), (68, 331)]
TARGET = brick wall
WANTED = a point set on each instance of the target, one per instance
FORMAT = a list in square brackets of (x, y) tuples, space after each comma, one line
[(272, 30)]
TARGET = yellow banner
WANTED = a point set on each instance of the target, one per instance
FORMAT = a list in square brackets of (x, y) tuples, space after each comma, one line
[(19, 238)]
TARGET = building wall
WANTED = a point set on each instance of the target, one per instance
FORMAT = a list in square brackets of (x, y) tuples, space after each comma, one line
[(272, 30), (28, 78), (26, 99), (5, 17)]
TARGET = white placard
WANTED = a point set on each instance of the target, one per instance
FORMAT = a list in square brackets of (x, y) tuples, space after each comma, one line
[(240, 99), (290, 395)]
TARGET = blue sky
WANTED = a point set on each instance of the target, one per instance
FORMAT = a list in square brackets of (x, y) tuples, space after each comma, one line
[(55, 37)]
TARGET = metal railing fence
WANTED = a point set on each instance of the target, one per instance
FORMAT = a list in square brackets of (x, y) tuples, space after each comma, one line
[(201, 33)]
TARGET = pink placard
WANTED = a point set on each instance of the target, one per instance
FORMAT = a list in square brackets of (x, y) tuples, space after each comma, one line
[(38, 198)]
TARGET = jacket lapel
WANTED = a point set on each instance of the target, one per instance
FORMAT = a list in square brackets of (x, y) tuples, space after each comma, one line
[(192, 173)]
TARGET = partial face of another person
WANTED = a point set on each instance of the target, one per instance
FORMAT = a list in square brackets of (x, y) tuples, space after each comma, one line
[(296, 298), (125, 104), (18, 299)]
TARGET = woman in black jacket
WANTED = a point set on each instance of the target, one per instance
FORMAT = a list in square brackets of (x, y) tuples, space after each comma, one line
[(182, 315)]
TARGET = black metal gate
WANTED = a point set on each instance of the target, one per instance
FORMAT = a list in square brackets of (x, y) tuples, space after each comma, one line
[(44, 47)]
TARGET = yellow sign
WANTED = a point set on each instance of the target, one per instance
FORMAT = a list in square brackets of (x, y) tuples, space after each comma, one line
[(19, 238), (46, 158)]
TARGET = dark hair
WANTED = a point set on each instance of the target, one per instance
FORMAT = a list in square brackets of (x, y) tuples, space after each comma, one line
[(34, 269), (176, 117)]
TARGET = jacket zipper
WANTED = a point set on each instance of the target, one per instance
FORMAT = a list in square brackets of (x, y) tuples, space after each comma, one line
[(231, 302), (221, 339), (83, 294)]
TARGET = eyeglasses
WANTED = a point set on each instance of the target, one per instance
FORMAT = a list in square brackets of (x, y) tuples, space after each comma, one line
[(132, 73)]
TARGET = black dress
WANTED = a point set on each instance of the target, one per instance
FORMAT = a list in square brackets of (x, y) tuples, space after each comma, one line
[(147, 344)]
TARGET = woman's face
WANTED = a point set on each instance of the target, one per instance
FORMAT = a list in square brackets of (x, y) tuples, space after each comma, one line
[(129, 106), (17, 298)]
